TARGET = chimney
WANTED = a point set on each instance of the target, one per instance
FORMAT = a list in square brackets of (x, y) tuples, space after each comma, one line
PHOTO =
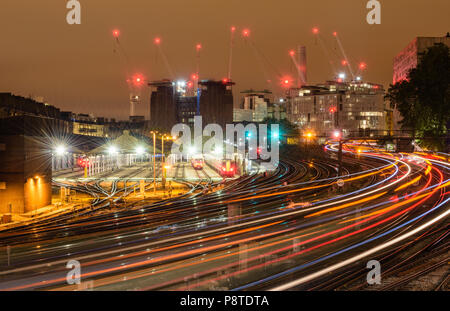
[(302, 64)]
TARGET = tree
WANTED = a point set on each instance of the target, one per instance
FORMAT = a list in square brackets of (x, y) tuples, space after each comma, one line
[(423, 99), (286, 127)]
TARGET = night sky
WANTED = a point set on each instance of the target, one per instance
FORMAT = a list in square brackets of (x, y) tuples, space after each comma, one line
[(74, 67)]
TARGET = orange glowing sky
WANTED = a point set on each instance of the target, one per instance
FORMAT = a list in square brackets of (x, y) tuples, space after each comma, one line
[(74, 67)]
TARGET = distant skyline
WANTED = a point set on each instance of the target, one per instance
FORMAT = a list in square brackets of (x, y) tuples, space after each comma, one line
[(74, 67)]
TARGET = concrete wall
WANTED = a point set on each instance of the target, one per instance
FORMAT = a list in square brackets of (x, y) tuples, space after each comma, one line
[(25, 168)]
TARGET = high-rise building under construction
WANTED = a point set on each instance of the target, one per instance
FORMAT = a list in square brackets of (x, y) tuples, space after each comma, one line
[(172, 103)]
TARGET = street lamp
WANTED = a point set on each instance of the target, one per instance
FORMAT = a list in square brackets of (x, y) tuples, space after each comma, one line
[(163, 159), (112, 150), (154, 159), (60, 150), (140, 150)]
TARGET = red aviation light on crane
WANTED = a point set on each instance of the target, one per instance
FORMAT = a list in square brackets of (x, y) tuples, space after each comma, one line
[(138, 80), (157, 41), (315, 30), (335, 33), (116, 33), (246, 33), (286, 82), (344, 62), (198, 47), (292, 53), (233, 29), (362, 66), (194, 76)]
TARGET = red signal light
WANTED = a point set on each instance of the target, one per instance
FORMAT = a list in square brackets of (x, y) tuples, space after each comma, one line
[(362, 66), (344, 63), (292, 52), (335, 34), (198, 47), (233, 29), (157, 41), (315, 30), (116, 33), (246, 33)]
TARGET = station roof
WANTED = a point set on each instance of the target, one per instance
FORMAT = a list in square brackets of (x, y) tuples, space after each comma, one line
[(124, 144)]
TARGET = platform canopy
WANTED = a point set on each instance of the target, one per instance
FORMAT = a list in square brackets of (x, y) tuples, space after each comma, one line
[(125, 144)]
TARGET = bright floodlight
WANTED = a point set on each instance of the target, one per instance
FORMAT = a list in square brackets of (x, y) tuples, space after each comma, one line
[(60, 150), (358, 78), (140, 150), (181, 83), (112, 149), (192, 150), (336, 134), (218, 150), (281, 100), (342, 75)]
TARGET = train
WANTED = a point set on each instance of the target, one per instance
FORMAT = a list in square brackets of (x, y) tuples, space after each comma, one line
[(197, 163), (224, 167), (227, 168)]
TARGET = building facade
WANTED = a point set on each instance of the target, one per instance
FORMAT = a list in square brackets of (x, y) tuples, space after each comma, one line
[(26, 157), (355, 108), (258, 102), (409, 57), (162, 105), (216, 102)]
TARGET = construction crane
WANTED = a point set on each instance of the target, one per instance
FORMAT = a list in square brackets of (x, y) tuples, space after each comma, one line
[(157, 41)]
